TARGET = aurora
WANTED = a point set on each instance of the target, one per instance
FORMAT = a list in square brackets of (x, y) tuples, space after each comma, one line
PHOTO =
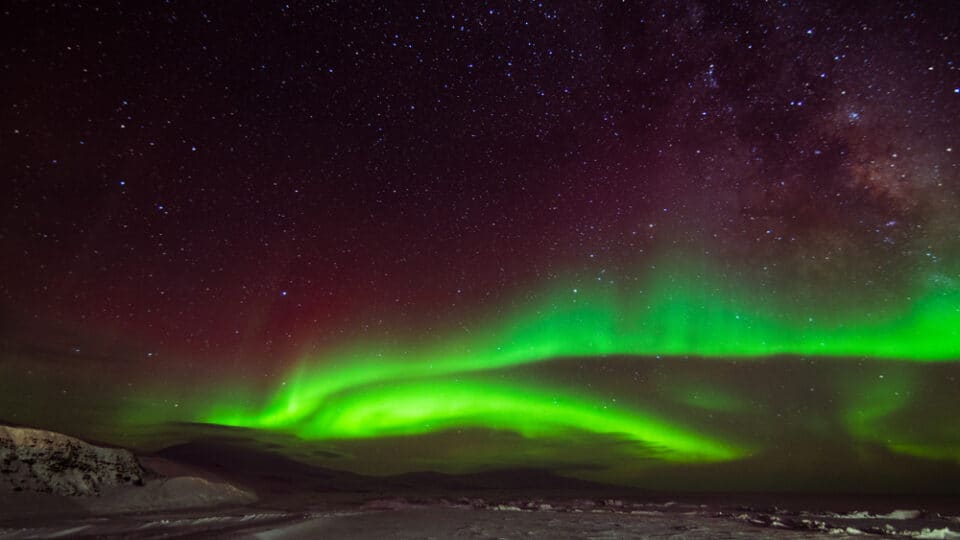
[(365, 390), (672, 246)]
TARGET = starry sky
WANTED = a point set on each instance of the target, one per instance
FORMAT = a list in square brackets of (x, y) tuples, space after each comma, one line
[(620, 240)]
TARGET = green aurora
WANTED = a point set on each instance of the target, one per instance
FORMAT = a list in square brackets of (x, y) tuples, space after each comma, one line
[(369, 390)]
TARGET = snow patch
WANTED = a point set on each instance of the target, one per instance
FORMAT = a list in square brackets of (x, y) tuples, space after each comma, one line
[(935, 534), (169, 494), (896, 514)]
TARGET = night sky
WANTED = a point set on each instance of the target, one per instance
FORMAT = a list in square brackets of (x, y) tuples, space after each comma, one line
[(675, 245)]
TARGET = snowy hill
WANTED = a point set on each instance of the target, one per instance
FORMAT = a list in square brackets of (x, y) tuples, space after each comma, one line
[(48, 462)]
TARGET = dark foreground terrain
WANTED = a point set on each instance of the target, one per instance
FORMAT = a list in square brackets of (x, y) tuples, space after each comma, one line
[(57, 486), (360, 516)]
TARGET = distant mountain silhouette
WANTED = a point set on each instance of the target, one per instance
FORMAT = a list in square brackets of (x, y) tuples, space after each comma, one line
[(268, 471)]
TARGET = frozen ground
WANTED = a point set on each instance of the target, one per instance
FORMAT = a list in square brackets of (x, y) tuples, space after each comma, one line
[(401, 518), (58, 487)]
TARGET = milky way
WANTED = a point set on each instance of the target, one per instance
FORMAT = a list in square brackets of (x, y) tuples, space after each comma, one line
[(611, 239)]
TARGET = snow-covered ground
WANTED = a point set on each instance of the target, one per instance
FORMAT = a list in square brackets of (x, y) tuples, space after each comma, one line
[(55, 486), (400, 518)]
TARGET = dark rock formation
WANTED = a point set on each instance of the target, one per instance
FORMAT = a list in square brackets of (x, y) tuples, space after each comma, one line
[(48, 462)]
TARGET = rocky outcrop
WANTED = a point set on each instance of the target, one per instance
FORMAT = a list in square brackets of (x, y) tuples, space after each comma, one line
[(48, 462)]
